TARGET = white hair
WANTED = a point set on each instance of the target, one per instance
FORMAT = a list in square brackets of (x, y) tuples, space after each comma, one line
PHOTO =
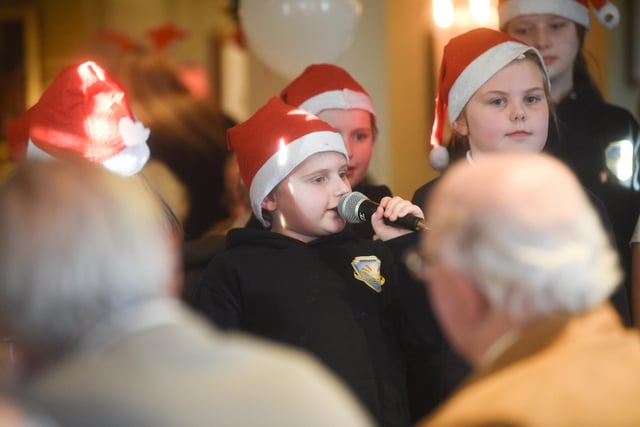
[(527, 268), (76, 242)]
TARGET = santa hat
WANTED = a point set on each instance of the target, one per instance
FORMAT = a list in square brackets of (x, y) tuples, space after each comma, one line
[(273, 141), (83, 113), (575, 10), (468, 61), (325, 86)]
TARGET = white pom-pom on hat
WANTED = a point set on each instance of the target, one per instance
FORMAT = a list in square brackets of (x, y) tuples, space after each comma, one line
[(439, 158), (608, 14)]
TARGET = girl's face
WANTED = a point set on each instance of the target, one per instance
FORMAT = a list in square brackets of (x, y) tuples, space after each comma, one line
[(509, 112), (554, 36), (356, 129), (304, 205)]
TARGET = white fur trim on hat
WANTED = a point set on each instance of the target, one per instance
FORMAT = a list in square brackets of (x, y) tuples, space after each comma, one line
[(127, 162), (482, 69), (569, 9), (285, 160), (345, 99)]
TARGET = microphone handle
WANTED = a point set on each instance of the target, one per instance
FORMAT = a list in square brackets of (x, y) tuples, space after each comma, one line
[(409, 222), (367, 207)]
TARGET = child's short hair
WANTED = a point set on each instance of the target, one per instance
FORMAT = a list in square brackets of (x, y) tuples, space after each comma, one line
[(273, 141), (468, 61)]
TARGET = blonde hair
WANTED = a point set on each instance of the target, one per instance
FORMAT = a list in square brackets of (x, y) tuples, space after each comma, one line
[(76, 242)]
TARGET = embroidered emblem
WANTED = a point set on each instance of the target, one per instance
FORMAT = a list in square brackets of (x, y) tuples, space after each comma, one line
[(367, 270)]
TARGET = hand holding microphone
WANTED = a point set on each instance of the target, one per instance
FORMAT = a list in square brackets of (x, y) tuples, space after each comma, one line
[(355, 208)]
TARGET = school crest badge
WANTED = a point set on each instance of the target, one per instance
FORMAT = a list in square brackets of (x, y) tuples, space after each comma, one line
[(367, 270)]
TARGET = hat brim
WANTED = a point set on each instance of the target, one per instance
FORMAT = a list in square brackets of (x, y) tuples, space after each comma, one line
[(482, 69), (286, 159)]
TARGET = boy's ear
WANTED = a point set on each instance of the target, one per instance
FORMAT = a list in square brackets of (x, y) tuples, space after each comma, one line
[(269, 203), (460, 125)]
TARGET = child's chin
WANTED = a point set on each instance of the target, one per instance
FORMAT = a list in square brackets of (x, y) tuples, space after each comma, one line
[(338, 225)]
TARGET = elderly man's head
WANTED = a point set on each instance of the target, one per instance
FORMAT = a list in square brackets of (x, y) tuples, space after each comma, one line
[(513, 238), (76, 243)]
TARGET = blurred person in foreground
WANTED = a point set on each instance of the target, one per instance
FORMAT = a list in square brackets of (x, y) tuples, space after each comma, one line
[(20, 414), (519, 271), (90, 303)]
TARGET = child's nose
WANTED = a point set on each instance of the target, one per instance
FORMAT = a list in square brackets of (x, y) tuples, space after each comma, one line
[(540, 38), (343, 187), (518, 113), (348, 147)]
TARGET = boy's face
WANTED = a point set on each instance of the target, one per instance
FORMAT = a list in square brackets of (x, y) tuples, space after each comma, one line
[(304, 204), (508, 113), (356, 128)]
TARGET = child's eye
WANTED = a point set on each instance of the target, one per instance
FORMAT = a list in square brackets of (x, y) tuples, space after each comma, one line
[(343, 175), (521, 31), (532, 99), (557, 25), (361, 136), (498, 102), (319, 179)]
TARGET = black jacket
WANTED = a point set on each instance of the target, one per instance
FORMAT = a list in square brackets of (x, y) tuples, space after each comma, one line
[(601, 143), (315, 296)]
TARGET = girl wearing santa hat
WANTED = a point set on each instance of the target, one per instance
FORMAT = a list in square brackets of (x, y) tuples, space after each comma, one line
[(598, 140), (494, 90)]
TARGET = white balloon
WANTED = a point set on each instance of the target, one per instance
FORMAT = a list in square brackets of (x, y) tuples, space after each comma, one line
[(288, 35)]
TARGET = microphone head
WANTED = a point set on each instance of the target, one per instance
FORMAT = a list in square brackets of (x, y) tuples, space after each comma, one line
[(348, 207)]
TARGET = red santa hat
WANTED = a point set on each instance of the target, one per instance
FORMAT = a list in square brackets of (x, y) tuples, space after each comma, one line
[(273, 141), (468, 61), (327, 86), (82, 113), (575, 10)]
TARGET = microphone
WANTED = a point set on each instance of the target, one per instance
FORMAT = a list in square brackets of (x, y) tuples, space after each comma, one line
[(356, 208)]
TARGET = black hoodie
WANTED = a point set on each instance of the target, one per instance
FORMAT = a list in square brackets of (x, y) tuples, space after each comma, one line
[(315, 296)]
